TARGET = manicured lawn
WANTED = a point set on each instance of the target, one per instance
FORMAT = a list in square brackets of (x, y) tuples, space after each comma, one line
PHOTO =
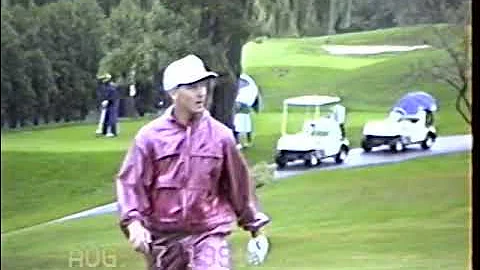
[(367, 87), (51, 173), (401, 216)]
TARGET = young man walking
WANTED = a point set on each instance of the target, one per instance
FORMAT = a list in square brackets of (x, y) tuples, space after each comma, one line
[(183, 184)]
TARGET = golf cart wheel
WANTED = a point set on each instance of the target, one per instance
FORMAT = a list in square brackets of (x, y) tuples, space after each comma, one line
[(312, 161), (342, 155), (428, 142), (397, 146), (367, 148), (281, 162)]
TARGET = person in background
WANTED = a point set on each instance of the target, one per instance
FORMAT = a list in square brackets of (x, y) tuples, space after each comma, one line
[(247, 99), (110, 101), (339, 114), (242, 122), (183, 184)]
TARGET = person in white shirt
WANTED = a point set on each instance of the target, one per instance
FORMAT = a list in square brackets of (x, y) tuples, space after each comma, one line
[(247, 95)]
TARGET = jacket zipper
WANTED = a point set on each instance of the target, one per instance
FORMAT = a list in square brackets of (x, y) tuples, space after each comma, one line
[(187, 172)]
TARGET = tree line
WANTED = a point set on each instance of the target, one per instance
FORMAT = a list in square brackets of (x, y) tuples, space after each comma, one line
[(53, 50)]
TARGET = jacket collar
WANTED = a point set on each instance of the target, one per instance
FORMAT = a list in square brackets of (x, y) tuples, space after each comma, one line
[(171, 117)]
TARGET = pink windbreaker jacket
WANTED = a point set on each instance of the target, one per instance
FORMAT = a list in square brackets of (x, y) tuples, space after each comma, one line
[(178, 178)]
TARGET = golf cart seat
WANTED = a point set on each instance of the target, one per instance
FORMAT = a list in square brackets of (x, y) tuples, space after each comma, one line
[(320, 127), (419, 117), (309, 127)]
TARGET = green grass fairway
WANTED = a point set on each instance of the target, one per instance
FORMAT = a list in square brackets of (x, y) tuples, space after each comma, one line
[(410, 215), (301, 54), (414, 35), (51, 173), (78, 138), (289, 67)]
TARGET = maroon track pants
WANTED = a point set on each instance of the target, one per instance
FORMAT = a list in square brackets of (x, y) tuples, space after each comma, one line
[(206, 251)]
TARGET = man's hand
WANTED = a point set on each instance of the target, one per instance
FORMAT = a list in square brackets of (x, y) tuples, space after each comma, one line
[(104, 103), (139, 237), (258, 246), (260, 221)]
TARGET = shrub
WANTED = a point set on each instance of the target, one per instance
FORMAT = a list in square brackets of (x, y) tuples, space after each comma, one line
[(262, 173)]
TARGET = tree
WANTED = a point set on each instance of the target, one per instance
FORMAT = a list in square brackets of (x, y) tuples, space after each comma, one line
[(141, 41), (214, 30), (70, 36), (347, 21), (226, 28), (332, 16), (17, 93), (42, 82), (454, 71), (457, 73), (108, 5)]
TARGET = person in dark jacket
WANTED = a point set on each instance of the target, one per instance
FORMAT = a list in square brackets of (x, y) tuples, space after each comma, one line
[(110, 101)]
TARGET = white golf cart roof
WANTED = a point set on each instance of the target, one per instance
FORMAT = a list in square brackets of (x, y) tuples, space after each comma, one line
[(311, 100)]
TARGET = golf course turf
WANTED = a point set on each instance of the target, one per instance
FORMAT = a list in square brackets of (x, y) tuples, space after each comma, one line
[(410, 215)]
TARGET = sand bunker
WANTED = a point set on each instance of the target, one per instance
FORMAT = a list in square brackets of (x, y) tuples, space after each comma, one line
[(369, 49)]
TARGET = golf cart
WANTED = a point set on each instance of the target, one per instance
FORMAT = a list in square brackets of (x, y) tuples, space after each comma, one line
[(409, 122), (320, 137)]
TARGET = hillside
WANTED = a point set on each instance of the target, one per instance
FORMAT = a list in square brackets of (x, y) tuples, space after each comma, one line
[(290, 67)]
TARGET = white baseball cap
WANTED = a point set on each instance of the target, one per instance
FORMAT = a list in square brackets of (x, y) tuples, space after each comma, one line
[(186, 70)]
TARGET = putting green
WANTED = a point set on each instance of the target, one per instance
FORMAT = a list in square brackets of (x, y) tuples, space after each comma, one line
[(286, 52)]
